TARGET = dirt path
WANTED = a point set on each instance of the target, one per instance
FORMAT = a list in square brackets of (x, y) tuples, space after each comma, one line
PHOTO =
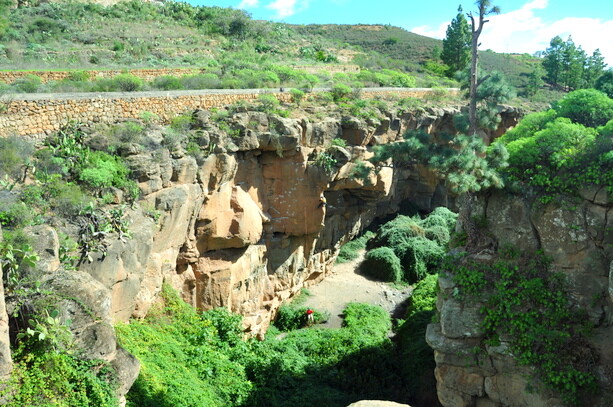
[(346, 285)]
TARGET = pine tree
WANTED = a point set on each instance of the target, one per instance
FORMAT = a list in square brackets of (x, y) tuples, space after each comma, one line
[(535, 80), (456, 45), (552, 62), (605, 83), (573, 61), (594, 68)]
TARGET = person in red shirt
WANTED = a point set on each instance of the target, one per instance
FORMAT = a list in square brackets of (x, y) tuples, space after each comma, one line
[(310, 320)]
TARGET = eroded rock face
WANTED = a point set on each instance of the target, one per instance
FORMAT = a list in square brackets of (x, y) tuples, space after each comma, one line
[(246, 228), (577, 236), (243, 227)]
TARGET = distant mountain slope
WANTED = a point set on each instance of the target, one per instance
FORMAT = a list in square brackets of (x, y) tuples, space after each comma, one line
[(141, 34)]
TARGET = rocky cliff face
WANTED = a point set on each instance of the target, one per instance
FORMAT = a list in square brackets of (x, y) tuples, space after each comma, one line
[(242, 226), (578, 237)]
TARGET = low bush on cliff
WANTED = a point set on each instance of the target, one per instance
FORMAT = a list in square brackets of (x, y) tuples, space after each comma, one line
[(556, 152), (47, 369), (50, 378), (529, 304)]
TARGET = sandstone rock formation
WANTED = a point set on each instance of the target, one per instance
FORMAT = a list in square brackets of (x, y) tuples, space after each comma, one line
[(239, 226), (578, 237)]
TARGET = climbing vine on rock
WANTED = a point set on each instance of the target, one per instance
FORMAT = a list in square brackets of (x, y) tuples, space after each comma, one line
[(528, 305)]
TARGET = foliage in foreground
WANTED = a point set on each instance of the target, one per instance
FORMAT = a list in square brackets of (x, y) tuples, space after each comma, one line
[(201, 359)]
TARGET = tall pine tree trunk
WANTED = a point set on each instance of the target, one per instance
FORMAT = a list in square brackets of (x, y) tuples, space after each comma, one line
[(474, 82)]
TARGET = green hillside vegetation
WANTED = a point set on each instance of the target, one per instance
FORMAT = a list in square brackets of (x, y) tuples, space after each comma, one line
[(557, 151), (223, 42)]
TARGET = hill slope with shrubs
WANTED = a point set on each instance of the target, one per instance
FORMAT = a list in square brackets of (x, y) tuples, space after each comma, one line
[(224, 42)]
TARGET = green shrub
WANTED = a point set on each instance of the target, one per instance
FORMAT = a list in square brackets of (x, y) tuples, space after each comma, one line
[(201, 81), (397, 232), (78, 76), (65, 198), (417, 368), (383, 264), (442, 217), (15, 215), (45, 378), (290, 318), (588, 107), (101, 170), (28, 84), (350, 250), (15, 153), (167, 82), (419, 256), (267, 103), (340, 91), (128, 83), (423, 297), (191, 365), (297, 96)]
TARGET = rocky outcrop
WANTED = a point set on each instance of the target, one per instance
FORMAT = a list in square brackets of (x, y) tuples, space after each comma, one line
[(577, 235), (240, 225)]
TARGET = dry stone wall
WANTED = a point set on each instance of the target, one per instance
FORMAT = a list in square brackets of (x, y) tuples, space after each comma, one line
[(10, 76), (38, 115), (145, 74)]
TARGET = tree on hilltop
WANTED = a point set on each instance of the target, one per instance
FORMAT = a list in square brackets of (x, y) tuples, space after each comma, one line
[(456, 45), (568, 66)]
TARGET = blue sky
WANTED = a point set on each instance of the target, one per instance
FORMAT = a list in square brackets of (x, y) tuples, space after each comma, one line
[(523, 26)]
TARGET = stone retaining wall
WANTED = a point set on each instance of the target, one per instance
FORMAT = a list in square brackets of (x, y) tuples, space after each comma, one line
[(37, 115), (150, 74), (145, 74)]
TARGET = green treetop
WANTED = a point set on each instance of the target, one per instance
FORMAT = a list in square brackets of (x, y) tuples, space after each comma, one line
[(456, 45)]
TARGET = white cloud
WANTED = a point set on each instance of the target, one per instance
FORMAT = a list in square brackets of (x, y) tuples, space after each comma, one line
[(523, 30), (286, 8), (439, 32), (248, 4)]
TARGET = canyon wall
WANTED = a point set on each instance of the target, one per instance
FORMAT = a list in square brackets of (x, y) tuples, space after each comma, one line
[(577, 234), (240, 225), (37, 115)]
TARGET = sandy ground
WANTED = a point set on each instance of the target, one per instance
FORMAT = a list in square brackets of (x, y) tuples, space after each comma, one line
[(345, 284)]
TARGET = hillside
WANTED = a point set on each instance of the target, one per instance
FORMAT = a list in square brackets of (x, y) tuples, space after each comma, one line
[(137, 34)]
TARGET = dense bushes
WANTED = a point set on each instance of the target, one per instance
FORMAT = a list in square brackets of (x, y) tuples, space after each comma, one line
[(557, 151), (350, 250), (409, 248), (383, 264), (201, 359), (46, 377), (189, 366)]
